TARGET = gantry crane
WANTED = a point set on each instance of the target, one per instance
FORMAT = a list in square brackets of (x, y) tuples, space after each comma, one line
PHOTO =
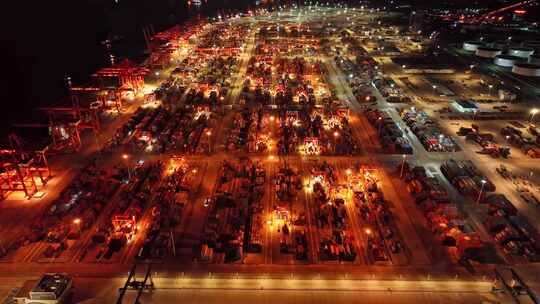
[(23, 168), (103, 97), (64, 126), (514, 285), (126, 73), (132, 284)]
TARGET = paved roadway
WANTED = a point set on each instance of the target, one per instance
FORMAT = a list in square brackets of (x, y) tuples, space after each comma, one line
[(287, 290)]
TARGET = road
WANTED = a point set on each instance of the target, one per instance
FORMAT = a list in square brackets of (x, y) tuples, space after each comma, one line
[(290, 290)]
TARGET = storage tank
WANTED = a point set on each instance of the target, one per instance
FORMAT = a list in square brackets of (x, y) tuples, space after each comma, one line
[(534, 59), (472, 46), (526, 69), (535, 44), (523, 52), (500, 44), (488, 52), (507, 60)]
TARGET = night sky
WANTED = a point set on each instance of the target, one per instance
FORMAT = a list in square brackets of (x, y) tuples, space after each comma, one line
[(48, 39)]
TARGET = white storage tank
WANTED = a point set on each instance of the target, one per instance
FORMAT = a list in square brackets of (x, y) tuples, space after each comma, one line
[(526, 69), (507, 61), (487, 52), (523, 52), (534, 59), (535, 44), (472, 46), (500, 44)]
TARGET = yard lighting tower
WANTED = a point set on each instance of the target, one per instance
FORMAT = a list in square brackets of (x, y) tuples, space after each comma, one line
[(481, 191), (402, 165), (77, 223), (208, 134), (126, 159), (336, 135), (533, 112), (348, 172)]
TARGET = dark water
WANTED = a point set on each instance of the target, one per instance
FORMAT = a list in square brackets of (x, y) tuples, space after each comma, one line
[(42, 41)]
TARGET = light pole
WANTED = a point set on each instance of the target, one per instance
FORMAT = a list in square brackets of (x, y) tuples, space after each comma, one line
[(208, 134), (533, 112), (336, 135), (77, 222), (349, 187), (368, 233), (126, 159), (481, 191), (490, 87), (67, 78), (434, 89), (402, 165)]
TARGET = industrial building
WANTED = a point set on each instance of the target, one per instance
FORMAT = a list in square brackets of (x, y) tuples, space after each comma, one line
[(439, 87), (465, 106)]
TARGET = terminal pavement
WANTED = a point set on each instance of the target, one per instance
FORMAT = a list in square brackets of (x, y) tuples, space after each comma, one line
[(420, 277)]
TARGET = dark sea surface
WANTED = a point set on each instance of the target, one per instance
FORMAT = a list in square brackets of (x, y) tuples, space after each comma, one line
[(43, 41)]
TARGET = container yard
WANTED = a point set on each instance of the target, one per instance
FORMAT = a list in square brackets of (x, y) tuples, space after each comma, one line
[(297, 143)]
